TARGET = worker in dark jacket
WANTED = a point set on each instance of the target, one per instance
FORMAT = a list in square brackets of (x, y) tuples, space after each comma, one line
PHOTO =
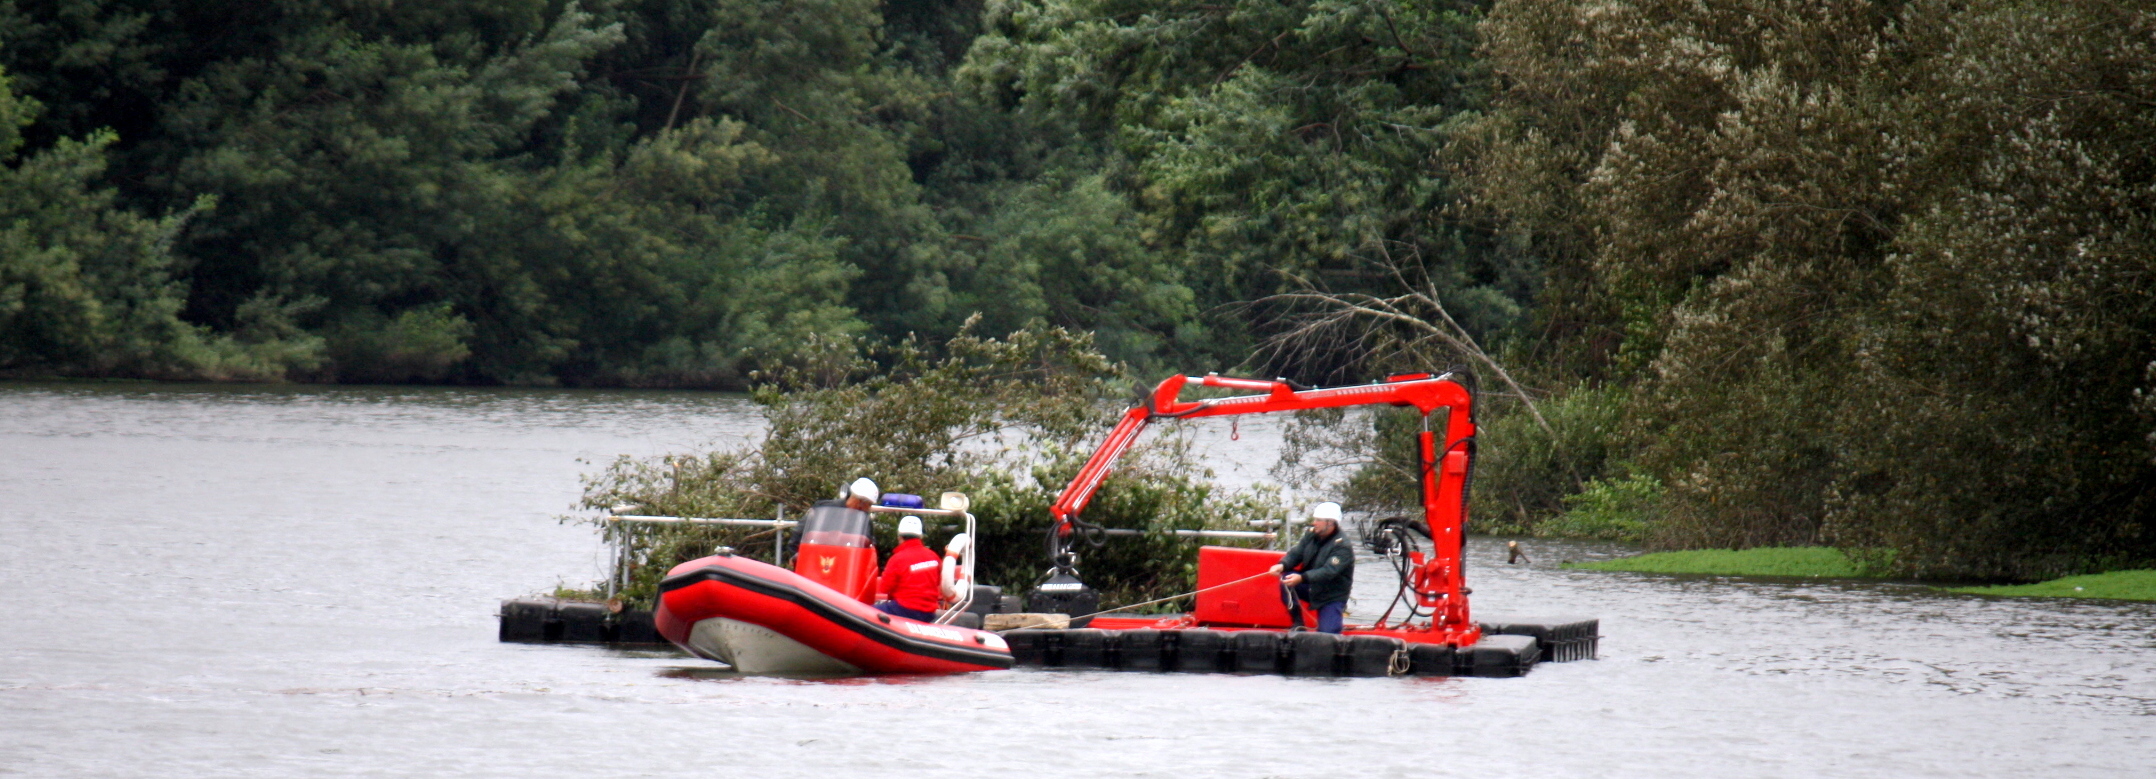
[(912, 579), (1320, 570)]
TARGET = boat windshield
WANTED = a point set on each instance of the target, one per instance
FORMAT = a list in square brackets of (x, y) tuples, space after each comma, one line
[(835, 525)]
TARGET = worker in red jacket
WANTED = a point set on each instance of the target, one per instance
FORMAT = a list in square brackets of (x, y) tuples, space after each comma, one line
[(911, 581)]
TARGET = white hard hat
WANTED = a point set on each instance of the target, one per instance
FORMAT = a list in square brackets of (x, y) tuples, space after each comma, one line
[(957, 544), (1326, 510), (865, 489), (909, 526)]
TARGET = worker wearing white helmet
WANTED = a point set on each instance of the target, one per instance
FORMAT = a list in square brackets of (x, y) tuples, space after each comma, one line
[(910, 586), (1320, 570), (861, 494)]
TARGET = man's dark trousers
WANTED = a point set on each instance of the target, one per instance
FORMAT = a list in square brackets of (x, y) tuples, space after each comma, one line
[(892, 608), (1329, 614)]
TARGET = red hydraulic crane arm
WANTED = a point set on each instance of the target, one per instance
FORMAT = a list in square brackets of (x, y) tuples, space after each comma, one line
[(1426, 393), (1080, 491)]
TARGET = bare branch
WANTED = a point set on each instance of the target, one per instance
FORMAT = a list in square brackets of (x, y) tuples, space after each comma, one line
[(1335, 321)]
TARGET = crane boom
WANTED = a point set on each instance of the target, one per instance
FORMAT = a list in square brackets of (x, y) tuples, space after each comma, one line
[(1438, 581)]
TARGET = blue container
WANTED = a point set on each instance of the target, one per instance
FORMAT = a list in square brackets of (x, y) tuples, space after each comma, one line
[(900, 500)]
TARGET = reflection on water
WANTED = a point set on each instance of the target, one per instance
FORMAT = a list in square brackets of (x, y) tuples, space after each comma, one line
[(713, 672), (251, 581)]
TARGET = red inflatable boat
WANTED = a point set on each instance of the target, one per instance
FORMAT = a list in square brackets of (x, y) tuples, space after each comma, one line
[(763, 619)]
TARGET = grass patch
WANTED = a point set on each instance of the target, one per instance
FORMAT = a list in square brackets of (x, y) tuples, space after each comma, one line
[(1808, 561), (2120, 585)]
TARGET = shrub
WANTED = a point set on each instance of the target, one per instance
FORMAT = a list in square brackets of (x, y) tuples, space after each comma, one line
[(1007, 421), (1526, 473), (1614, 509)]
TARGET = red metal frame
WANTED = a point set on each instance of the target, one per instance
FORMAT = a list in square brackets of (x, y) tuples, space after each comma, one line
[(1437, 580)]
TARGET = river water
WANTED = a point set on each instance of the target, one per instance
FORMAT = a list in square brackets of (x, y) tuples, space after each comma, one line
[(249, 581)]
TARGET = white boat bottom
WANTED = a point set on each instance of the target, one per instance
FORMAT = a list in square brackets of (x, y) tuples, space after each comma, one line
[(755, 649)]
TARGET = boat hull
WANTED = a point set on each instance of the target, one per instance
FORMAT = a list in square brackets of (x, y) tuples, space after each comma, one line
[(764, 619), (755, 649)]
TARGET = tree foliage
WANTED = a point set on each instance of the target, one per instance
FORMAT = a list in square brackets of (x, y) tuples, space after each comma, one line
[(1881, 271), (676, 192), (87, 284), (1260, 142)]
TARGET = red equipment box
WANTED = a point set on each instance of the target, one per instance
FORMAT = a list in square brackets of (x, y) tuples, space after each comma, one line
[(1255, 603)]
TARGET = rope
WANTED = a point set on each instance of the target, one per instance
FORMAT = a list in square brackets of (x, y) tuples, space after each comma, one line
[(1171, 597)]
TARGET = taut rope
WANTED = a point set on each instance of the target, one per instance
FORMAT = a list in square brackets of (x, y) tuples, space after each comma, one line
[(1171, 597)]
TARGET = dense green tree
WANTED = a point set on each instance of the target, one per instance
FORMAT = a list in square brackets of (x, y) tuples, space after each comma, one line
[(87, 287), (1263, 145), (1879, 269), (419, 190), (358, 163), (450, 192), (665, 268)]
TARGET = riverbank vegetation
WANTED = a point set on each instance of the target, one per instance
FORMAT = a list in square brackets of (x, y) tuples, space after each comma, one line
[(1829, 563), (1868, 275), (2120, 585), (1808, 562)]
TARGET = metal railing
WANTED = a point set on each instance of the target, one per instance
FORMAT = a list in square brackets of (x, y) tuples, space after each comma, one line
[(1122, 531), (618, 540), (962, 599)]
